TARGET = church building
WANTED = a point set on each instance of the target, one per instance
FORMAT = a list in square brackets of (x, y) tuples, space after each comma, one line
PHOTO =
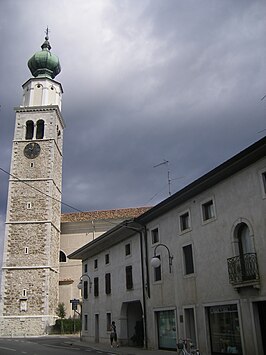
[(36, 273)]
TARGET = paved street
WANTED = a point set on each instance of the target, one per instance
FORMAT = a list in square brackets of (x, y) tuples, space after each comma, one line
[(66, 345), (44, 346)]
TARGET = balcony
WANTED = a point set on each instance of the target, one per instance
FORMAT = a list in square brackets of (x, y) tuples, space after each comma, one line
[(243, 270)]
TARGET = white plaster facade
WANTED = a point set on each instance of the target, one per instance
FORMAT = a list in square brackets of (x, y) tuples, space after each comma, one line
[(77, 229), (215, 230)]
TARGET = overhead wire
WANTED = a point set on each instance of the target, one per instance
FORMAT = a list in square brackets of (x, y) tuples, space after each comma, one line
[(49, 196)]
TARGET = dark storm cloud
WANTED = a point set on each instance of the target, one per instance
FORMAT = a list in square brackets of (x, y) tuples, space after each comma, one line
[(144, 81)]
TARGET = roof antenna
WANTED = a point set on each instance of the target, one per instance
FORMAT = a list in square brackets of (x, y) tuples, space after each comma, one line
[(168, 174)]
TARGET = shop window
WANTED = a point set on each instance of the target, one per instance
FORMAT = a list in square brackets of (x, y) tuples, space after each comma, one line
[(129, 278), (190, 326), (108, 283), (155, 236), (224, 329), (40, 129), (96, 286), (166, 325), (29, 129), (188, 259)]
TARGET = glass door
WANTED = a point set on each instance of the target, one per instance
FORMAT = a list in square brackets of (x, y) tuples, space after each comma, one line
[(166, 325)]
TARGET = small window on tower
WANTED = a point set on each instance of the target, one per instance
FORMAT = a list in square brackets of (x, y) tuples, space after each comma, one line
[(29, 206), (23, 305), (58, 132), (62, 257), (31, 165), (26, 250)]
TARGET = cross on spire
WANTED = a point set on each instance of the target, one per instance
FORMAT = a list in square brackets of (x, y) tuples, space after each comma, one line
[(47, 32)]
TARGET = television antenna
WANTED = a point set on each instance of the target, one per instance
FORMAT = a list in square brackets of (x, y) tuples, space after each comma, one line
[(166, 162)]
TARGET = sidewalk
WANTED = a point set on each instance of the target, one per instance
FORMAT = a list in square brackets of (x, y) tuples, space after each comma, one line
[(123, 350)]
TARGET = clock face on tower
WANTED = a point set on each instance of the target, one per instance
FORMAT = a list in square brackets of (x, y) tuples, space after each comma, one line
[(32, 150)]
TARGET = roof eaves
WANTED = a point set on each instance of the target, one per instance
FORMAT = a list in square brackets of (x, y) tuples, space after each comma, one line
[(238, 162)]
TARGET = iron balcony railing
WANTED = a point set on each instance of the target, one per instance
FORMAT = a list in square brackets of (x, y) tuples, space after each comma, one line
[(243, 268)]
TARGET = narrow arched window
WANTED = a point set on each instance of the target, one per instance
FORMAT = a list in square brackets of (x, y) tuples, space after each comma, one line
[(40, 129), (244, 239), (247, 260), (29, 129), (62, 257)]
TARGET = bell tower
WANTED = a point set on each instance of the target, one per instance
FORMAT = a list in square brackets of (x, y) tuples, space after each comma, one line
[(30, 273)]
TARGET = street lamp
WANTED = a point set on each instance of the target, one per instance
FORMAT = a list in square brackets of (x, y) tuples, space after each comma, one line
[(156, 262), (81, 281)]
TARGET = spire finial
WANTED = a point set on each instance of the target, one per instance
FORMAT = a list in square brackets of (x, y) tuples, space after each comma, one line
[(46, 44), (47, 33)]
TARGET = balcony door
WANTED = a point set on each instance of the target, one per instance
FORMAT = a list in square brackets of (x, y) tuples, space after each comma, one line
[(245, 248)]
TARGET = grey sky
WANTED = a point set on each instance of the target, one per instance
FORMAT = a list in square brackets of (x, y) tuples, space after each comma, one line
[(144, 81)]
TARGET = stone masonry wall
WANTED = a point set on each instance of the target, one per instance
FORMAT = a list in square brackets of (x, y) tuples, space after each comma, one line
[(31, 254)]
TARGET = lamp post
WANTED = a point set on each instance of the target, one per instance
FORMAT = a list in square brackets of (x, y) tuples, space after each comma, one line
[(81, 285), (156, 262), (81, 281)]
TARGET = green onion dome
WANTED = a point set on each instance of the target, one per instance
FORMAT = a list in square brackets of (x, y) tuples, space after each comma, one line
[(44, 63)]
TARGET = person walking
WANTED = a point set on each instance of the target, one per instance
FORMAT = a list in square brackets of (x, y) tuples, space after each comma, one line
[(113, 334)]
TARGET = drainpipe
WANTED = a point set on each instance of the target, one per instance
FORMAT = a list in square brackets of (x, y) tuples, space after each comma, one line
[(143, 289), (146, 263)]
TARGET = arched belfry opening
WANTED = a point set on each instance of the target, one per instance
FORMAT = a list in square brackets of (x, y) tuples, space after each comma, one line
[(29, 129), (40, 129)]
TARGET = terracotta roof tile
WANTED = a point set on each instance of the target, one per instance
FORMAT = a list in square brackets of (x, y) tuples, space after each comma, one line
[(121, 213)]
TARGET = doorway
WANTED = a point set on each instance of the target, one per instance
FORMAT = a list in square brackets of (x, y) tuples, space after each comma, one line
[(166, 327), (131, 324), (261, 308), (96, 328)]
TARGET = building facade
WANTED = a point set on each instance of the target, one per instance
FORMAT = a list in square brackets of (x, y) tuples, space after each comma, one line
[(209, 284), (36, 272), (77, 229), (30, 272)]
